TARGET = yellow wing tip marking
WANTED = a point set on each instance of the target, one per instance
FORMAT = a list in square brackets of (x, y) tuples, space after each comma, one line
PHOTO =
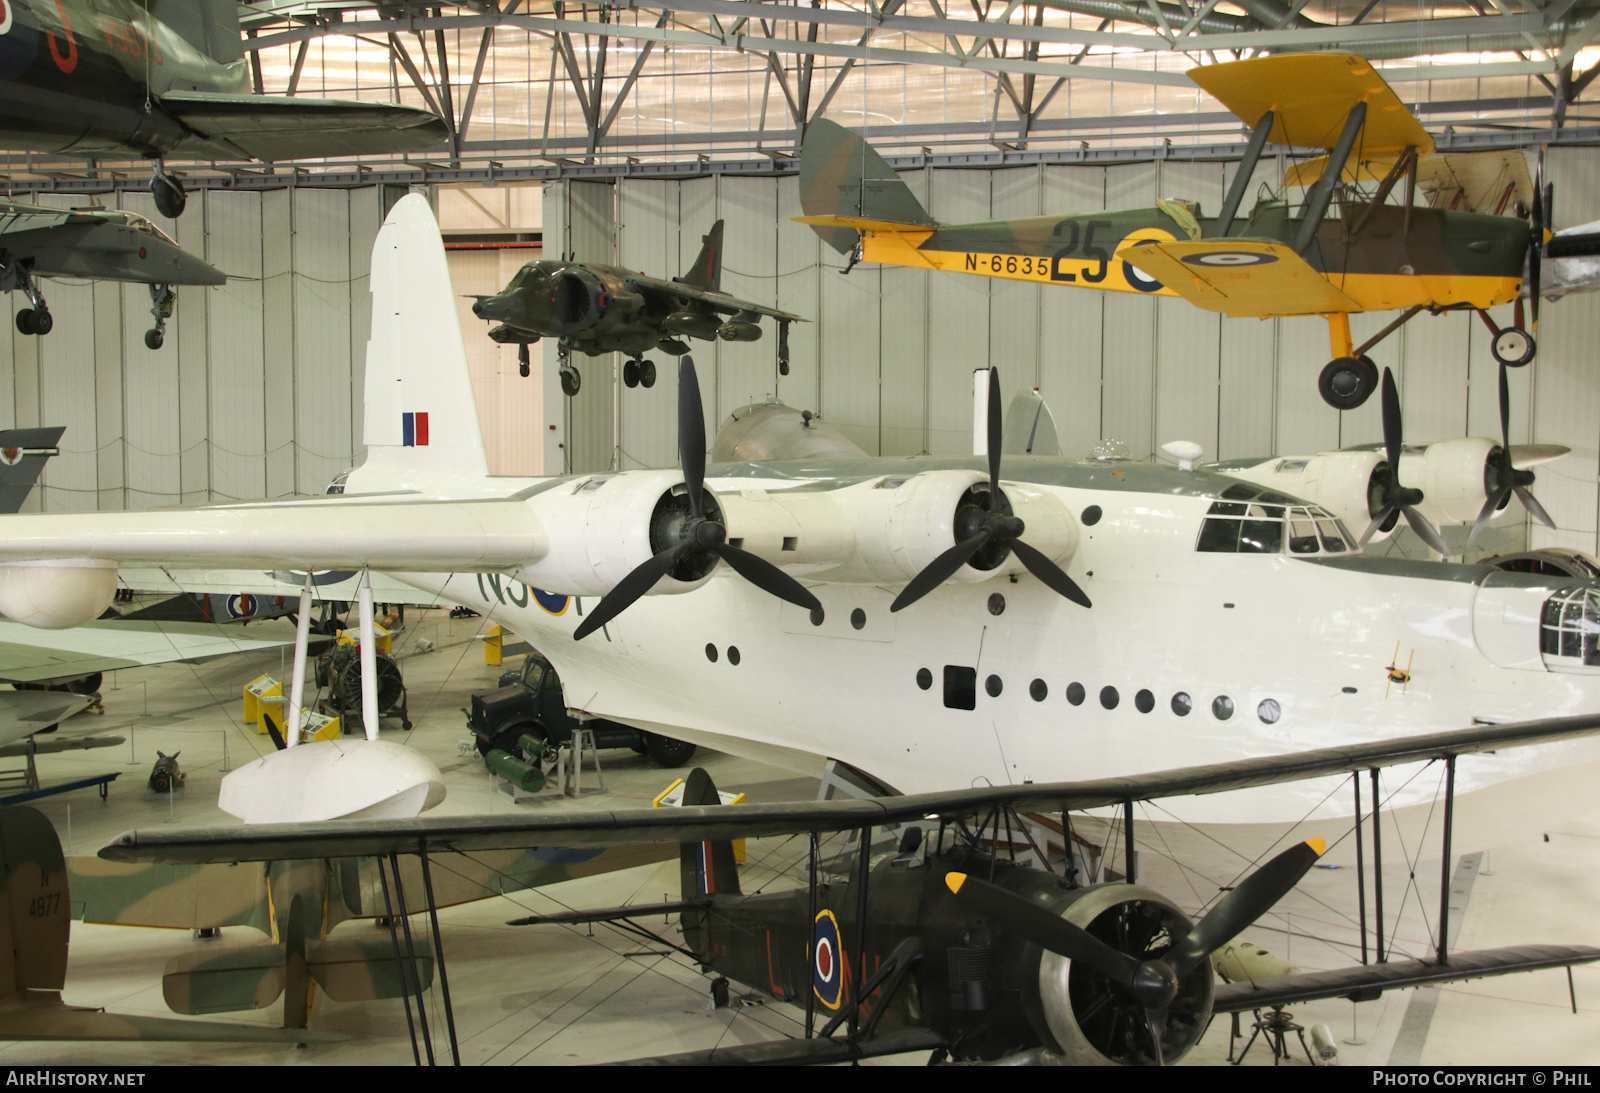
[(1319, 845), (954, 881)]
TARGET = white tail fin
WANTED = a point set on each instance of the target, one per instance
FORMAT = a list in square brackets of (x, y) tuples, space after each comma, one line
[(421, 415)]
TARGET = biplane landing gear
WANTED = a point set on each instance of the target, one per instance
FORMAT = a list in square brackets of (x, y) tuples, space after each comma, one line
[(1513, 346), (1347, 382), (639, 373), (162, 301)]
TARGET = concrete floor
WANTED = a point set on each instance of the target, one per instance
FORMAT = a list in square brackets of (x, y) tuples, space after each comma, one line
[(574, 994)]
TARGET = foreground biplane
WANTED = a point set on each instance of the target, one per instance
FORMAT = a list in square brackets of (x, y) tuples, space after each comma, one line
[(1344, 250), (948, 944)]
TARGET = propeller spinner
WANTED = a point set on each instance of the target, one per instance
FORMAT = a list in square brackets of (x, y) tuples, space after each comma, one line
[(694, 534), (1397, 498), (989, 531)]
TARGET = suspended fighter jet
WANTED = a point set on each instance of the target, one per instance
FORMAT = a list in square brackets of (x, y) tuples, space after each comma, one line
[(599, 309), (89, 78), (97, 243), (1325, 258)]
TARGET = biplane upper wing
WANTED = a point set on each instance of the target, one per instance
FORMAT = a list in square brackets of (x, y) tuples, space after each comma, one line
[(601, 827), (1311, 94), (1240, 277)]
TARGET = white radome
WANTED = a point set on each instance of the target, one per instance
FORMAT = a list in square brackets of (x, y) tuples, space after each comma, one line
[(57, 594), (332, 780)]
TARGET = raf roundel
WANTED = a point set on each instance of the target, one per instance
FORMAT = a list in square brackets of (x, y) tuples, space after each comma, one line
[(827, 964), (5, 17), (1230, 258)]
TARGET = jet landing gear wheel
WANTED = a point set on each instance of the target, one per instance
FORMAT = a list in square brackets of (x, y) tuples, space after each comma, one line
[(1347, 382), (523, 367), (647, 373), (162, 301), (1513, 347), (630, 373), (35, 320), (571, 382), (169, 195)]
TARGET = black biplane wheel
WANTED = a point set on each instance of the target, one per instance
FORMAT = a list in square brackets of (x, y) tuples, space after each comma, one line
[(25, 321), (647, 373), (1513, 346), (571, 382), (169, 195), (154, 339), (1347, 382), (630, 373)]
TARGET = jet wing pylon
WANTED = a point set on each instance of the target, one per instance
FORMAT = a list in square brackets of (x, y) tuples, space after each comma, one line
[(1240, 277), (275, 128)]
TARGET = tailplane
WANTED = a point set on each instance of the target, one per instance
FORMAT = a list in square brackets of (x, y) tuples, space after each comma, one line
[(421, 415), (706, 272), (846, 187)]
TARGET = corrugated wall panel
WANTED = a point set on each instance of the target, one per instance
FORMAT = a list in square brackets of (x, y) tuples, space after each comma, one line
[(323, 439), (278, 338), (154, 426), (748, 371), (800, 272), (1188, 340), (1433, 378), (1014, 305), (1247, 397), (647, 241), (1071, 322), (191, 343), (591, 232), (366, 217), (109, 398), (958, 317), (237, 345), (1130, 333), (902, 351), (1305, 422), (66, 376), (851, 334), (697, 212)]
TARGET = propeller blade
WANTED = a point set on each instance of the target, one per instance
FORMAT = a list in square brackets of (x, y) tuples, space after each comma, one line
[(1490, 507), (995, 439), (1425, 530), (635, 584), (691, 434), (1050, 574), (1248, 901), (1536, 510), (1505, 411), (766, 576), (272, 731), (1155, 1023), (939, 570), (1392, 435), (1043, 927), (1377, 522)]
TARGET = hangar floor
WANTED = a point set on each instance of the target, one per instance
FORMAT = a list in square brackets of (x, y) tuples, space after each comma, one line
[(557, 995)]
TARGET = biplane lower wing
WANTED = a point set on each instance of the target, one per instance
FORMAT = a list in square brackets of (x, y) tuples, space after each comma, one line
[(1257, 278)]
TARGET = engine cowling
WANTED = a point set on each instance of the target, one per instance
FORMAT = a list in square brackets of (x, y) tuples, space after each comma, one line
[(1344, 483), (57, 594), (1452, 475), (1091, 1022), (604, 527)]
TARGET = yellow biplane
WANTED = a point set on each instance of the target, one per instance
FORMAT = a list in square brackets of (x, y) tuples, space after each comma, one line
[(1476, 239)]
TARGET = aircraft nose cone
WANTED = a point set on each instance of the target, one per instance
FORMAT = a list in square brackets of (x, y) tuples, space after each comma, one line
[(494, 308)]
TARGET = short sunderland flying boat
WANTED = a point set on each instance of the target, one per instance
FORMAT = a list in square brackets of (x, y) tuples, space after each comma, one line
[(1057, 619)]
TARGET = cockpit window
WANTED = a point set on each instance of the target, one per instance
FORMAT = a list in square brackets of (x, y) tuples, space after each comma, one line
[(1569, 630), (1268, 525)]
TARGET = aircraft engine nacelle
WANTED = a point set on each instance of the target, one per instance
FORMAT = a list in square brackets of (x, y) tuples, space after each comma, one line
[(1453, 478), (692, 324), (1345, 483), (604, 527), (735, 330), (57, 594), (1084, 1018), (902, 525)]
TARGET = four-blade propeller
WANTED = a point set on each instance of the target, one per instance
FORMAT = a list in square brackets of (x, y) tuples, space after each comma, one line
[(694, 534), (1504, 477), (1398, 498), (991, 530), (1152, 982)]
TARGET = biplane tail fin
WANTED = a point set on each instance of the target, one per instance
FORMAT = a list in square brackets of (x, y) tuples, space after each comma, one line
[(847, 188), (705, 869), (37, 917)]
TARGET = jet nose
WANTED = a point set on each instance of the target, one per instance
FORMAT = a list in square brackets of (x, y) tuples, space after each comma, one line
[(492, 308)]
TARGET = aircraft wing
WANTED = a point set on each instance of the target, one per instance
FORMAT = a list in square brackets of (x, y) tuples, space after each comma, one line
[(30, 655), (1240, 277), (1311, 94), (599, 827), (23, 713), (717, 301), (330, 584), (107, 245), (46, 1018), (1365, 982), (272, 128)]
